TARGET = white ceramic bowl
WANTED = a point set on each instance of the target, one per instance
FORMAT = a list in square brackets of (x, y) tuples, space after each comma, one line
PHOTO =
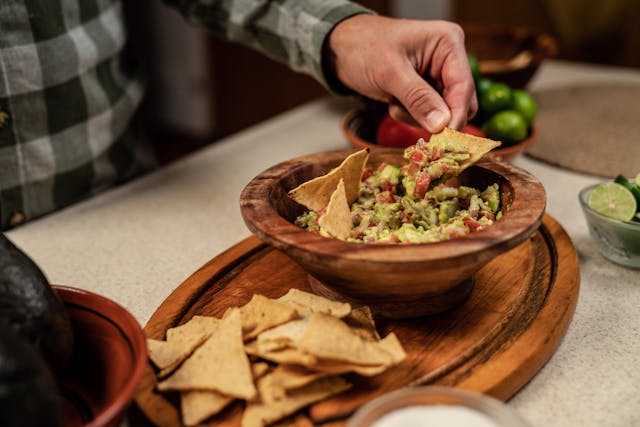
[(471, 405)]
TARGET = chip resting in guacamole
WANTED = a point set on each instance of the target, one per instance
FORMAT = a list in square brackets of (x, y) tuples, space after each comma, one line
[(409, 203)]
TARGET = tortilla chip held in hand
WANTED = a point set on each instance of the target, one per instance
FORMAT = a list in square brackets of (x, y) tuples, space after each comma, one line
[(475, 145)]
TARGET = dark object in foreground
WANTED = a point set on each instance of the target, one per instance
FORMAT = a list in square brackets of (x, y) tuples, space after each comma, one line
[(28, 392), (31, 307)]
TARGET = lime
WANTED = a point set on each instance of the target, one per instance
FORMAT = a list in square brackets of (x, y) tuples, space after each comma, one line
[(613, 200), (635, 190), (475, 67), (482, 84), (496, 98), (523, 103), (507, 126), (638, 180)]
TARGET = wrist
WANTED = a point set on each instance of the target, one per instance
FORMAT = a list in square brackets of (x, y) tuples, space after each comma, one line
[(333, 43)]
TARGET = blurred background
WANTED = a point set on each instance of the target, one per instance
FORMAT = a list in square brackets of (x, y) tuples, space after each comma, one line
[(202, 88)]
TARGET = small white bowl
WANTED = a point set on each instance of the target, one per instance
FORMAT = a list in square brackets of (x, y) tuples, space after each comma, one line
[(466, 404)]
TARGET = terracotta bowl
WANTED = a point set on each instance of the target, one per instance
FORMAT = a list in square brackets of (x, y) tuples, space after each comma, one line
[(508, 54), (359, 127), (109, 356), (396, 281)]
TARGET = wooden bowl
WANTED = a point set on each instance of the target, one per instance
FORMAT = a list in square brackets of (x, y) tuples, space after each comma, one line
[(395, 280), (510, 55), (109, 357), (359, 127)]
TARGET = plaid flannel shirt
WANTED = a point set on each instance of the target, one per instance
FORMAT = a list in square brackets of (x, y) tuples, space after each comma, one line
[(69, 92)]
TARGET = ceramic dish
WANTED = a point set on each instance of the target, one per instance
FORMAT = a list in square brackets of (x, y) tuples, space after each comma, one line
[(435, 406), (109, 357)]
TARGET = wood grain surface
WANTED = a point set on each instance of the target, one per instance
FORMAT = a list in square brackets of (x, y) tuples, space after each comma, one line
[(494, 343), (427, 278)]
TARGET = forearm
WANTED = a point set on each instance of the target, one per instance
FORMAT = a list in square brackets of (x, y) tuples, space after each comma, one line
[(289, 31)]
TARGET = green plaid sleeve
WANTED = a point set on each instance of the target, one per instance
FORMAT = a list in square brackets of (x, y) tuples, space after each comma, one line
[(67, 98), (289, 31)]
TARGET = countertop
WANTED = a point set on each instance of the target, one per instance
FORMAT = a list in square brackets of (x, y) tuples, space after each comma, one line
[(136, 243)]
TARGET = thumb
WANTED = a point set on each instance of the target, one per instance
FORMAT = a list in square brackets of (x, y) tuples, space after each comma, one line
[(421, 100)]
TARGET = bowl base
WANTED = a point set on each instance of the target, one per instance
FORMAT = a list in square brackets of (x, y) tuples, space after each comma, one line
[(399, 309)]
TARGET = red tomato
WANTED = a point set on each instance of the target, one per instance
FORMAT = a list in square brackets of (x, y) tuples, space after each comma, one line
[(394, 133), (473, 130)]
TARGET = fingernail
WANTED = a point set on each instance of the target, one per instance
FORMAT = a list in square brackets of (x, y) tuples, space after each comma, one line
[(436, 120)]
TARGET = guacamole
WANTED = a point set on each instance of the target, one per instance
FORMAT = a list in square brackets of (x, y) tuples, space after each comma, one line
[(411, 203)]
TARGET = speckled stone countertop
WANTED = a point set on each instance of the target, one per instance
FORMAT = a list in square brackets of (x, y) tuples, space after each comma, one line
[(137, 243)]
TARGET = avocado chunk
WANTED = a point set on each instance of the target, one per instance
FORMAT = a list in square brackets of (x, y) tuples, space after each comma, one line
[(28, 393), (30, 306)]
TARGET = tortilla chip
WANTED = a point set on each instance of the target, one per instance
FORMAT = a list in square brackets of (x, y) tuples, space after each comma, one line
[(287, 355), (316, 193), (262, 313), (333, 367), (283, 378), (181, 342), (475, 145), (197, 406), (336, 219), (329, 338), (195, 325), (220, 364), (307, 303), (361, 322), (282, 336), (259, 414)]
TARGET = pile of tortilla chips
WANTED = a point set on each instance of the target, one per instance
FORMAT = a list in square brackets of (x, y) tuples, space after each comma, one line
[(333, 194), (277, 356)]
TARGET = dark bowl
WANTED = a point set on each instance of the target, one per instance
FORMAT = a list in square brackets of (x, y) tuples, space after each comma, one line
[(359, 126), (110, 354), (496, 48), (395, 280)]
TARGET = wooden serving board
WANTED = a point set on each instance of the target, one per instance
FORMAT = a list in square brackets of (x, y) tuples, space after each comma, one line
[(494, 343)]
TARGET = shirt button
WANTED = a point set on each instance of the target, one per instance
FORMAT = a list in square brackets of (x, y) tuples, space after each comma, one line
[(4, 118), (16, 219)]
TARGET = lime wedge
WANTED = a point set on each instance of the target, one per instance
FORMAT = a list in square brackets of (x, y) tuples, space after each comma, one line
[(614, 200), (635, 190)]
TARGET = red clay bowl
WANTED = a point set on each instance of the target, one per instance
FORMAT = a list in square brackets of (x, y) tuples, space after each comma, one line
[(396, 281), (110, 354), (359, 127)]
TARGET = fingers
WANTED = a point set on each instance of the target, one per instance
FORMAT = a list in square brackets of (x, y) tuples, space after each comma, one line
[(463, 104), (422, 101), (398, 112)]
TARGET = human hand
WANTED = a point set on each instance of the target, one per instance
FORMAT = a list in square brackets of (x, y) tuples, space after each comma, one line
[(415, 66)]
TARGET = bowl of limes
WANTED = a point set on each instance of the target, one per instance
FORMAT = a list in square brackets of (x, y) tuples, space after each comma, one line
[(612, 211), (505, 113)]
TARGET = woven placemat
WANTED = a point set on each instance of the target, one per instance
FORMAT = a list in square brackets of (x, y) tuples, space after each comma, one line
[(593, 129)]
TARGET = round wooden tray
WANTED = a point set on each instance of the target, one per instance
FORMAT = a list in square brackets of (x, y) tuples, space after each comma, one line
[(494, 343)]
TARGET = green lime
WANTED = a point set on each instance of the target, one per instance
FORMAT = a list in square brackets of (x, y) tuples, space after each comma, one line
[(475, 67), (525, 105), (507, 126), (638, 180), (613, 200), (496, 98), (635, 190), (482, 84)]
